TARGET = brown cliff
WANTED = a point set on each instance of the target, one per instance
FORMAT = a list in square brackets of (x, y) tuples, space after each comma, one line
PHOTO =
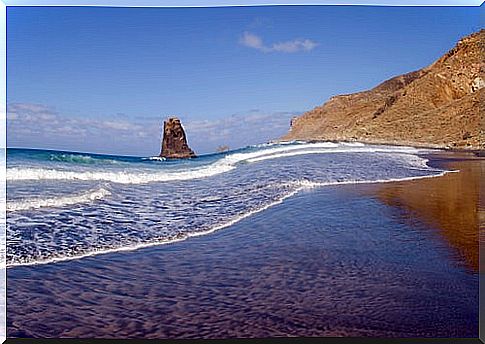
[(438, 105), (174, 142)]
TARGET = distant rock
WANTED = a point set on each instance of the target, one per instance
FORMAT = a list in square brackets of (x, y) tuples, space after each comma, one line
[(222, 148), (174, 142), (439, 105)]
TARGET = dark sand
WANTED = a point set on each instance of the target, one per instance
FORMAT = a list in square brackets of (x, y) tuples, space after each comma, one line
[(394, 259), (451, 203)]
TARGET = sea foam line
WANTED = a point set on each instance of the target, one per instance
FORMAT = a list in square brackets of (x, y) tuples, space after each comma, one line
[(57, 201), (156, 243), (320, 151), (225, 164), (301, 185)]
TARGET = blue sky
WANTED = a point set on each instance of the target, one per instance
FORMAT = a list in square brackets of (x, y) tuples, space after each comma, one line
[(103, 79)]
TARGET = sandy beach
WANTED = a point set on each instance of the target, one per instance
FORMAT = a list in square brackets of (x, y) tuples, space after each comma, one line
[(451, 203), (386, 259), (230, 170)]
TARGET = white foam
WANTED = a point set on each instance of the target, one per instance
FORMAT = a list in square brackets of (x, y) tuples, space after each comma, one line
[(58, 201), (306, 184), (288, 154), (340, 150), (276, 143), (155, 243), (122, 177), (154, 158), (225, 164), (352, 144), (299, 186)]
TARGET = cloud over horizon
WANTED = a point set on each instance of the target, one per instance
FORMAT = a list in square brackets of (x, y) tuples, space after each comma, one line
[(254, 41), (40, 126)]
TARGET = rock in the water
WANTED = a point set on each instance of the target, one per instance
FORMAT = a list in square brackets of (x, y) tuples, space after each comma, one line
[(174, 142)]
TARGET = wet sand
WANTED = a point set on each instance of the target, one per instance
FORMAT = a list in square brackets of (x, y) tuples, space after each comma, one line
[(383, 260), (451, 204)]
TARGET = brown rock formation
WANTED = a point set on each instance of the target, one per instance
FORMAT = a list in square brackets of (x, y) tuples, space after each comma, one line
[(174, 142), (434, 106)]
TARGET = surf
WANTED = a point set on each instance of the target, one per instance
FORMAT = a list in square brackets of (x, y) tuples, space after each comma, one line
[(37, 203), (61, 211), (293, 188), (225, 163)]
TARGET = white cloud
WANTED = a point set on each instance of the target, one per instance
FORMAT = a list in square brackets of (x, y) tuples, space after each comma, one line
[(254, 41), (294, 46), (38, 126), (118, 125), (238, 130)]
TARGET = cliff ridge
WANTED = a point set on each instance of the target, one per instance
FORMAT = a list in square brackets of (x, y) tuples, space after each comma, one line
[(438, 105)]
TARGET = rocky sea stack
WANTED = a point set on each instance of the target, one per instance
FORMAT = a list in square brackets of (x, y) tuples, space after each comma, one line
[(174, 142)]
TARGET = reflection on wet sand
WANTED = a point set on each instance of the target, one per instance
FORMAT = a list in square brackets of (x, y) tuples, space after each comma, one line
[(450, 203), (327, 262)]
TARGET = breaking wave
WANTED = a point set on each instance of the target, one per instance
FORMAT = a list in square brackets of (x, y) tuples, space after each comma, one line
[(80, 159), (57, 201), (293, 188), (154, 158), (63, 212), (225, 164)]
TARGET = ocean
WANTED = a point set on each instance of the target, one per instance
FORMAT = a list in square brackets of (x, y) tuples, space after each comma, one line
[(276, 240), (66, 205)]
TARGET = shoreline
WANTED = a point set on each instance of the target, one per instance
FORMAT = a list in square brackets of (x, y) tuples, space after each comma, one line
[(224, 225), (477, 151), (354, 265), (434, 160), (451, 203)]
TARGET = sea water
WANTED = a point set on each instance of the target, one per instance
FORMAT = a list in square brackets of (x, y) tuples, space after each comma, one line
[(67, 205)]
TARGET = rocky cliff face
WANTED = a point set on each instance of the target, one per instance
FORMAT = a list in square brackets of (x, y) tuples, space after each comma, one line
[(174, 142), (438, 105)]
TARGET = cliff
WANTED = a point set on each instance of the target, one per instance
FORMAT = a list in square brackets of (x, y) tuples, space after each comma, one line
[(438, 105), (174, 142)]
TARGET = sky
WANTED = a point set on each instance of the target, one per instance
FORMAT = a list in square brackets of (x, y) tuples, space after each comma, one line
[(102, 80)]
